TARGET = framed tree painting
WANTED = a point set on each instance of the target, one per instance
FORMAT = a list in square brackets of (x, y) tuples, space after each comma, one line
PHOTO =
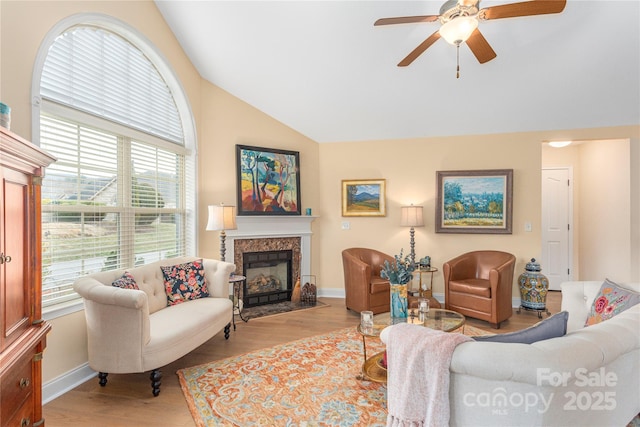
[(363, 197), (268, 181), (475, 201)]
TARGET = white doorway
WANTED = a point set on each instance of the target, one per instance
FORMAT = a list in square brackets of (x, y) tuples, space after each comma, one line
[(557, 225)]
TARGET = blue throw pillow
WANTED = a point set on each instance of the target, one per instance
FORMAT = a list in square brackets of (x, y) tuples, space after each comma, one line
[(552, 327)]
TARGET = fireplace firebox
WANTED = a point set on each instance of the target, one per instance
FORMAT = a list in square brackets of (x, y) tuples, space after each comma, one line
[(268, 277)]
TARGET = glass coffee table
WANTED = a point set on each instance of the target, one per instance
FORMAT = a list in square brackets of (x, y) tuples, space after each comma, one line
[(436, 318)]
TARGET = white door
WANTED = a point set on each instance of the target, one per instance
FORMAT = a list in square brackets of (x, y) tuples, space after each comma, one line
[(556, 225)]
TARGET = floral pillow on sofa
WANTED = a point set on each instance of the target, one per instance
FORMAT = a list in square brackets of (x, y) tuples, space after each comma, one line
[(126, 281), (611, 300), (184, 282)]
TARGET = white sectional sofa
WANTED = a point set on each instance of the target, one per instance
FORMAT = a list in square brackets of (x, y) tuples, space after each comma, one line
[(136, 331), (589, 377)]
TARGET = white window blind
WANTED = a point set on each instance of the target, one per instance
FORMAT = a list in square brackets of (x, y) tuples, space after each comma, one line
[(116, 196), (97, 71)]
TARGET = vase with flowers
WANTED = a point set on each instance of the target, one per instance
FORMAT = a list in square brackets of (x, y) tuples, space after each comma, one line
[(399, 273)]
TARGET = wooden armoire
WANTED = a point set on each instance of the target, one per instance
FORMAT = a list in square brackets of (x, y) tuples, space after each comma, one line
[(22, 330)]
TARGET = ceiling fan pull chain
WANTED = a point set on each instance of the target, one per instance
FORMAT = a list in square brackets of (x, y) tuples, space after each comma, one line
[(458, 61)]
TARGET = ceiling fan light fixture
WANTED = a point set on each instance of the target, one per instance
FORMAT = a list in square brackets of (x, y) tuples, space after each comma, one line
[(459, 29)]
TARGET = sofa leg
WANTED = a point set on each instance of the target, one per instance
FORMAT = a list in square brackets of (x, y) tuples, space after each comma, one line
[(102, 378), (227, 331), (156, 381)]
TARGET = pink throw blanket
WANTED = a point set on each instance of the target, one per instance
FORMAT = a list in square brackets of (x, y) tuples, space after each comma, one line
[(418, 361)]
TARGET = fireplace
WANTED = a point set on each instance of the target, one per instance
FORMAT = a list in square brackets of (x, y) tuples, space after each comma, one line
[(268, 277), (271, 267)]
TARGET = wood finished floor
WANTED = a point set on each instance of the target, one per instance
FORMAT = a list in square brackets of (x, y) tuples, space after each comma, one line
[(127, 399)]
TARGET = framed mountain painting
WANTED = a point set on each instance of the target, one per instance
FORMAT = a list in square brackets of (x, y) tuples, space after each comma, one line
[(363, 197)]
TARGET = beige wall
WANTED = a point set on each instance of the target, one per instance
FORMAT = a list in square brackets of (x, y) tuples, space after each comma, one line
[(227, 121), (605, 196), (222, 121), (410, 166)]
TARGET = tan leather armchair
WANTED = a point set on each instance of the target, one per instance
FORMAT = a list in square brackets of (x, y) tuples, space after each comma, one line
[(363, 286), (479, 284)]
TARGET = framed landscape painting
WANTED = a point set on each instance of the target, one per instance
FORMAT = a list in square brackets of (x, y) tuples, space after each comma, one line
[(268, 181), (364, 197), (478, 201)]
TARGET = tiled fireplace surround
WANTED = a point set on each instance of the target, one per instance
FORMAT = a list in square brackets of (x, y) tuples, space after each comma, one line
[(272, 233)]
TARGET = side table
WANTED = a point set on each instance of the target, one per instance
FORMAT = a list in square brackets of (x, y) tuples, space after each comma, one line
[(372, 369), (236, 280), (439, 319), (424, 291)]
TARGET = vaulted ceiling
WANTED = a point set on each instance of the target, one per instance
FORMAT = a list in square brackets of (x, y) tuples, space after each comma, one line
[(323, 69)]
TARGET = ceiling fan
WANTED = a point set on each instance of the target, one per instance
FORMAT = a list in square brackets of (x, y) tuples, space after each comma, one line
[(459, 21)]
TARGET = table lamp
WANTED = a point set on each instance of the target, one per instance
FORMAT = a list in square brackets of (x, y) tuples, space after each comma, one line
[(222, 217), (411, 216)]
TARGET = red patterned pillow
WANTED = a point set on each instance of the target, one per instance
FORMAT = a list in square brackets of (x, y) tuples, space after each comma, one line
[(125, 282), (184, 282), (611, 300)]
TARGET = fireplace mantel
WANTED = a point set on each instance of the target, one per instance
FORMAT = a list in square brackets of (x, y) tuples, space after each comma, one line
[(256, 227)]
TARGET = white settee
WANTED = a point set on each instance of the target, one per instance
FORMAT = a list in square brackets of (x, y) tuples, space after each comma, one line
[(589, 377), (135, 331)]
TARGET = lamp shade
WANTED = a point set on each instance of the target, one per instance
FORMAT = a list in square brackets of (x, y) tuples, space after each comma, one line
[(459, 29), (411, 216), (221, 217)]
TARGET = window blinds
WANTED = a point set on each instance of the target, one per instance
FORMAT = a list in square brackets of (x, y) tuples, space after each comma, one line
[(119, 194), (99, 72)]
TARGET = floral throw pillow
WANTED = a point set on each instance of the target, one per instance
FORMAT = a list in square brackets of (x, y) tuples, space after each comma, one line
[(126, 281), (611, 300), (184, 282)]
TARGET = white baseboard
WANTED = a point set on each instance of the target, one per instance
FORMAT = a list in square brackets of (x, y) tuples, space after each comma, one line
[(331, 292), (62, 384)]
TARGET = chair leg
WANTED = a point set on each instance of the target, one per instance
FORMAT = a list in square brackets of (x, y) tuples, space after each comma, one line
[(156, 381), (102, 376), (227, 331)]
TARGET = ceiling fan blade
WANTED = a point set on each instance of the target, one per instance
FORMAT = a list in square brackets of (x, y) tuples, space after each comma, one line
[(420, 49), (527, 8), (480, 47), (406, 20)]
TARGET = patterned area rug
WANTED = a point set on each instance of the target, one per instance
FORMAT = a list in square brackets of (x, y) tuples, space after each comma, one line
[(278, 308), (309, 382)]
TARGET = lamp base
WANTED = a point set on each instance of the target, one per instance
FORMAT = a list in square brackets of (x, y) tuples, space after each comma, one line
[(223, 248), (412, 245)]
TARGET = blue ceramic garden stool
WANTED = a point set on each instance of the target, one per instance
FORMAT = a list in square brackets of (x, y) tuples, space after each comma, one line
[(533, 289)]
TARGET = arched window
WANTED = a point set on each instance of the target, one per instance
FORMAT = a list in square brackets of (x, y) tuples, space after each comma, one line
[(122, 190)]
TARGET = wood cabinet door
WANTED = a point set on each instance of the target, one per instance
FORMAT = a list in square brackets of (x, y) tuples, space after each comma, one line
[(15, 289)]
